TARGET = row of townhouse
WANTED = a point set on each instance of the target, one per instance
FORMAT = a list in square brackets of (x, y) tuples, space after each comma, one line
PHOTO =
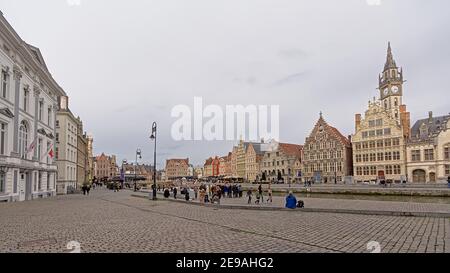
[(383, 147)]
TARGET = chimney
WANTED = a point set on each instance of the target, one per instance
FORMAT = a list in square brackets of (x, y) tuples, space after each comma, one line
[(357, 121), (430, 116), (405, 118)]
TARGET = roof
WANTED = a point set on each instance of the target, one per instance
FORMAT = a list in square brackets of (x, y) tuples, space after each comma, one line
[(178, 160), (291, 149), (331, 130), (428, 128), (338, 134), (257, 146), (390, 62)]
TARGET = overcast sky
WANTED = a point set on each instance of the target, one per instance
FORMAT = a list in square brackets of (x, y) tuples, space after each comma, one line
[(125, 64)]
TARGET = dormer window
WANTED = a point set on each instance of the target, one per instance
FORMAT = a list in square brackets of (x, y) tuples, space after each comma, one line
[(423, 130)]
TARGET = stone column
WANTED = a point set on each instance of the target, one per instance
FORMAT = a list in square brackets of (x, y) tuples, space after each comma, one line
[(37, 92), (17, 77)]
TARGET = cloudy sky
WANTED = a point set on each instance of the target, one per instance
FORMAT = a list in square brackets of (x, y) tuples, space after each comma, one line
[(125, 64)]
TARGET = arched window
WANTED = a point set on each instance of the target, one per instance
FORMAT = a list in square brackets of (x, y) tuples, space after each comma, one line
[(385, 104), (23, 139), (396, 102)]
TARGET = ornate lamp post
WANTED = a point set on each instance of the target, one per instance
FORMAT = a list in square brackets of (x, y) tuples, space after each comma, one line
[(138, 153), (153, 137)]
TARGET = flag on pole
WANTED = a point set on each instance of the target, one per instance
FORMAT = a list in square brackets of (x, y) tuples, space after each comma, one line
[(32, 145), (49, 152)]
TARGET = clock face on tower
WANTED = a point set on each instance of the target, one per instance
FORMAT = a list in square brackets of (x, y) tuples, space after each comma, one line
[(395, 89), (386, 91)]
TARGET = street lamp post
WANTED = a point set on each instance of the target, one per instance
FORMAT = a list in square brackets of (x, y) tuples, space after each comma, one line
[(153, 137), (122, 174), (138, 153)]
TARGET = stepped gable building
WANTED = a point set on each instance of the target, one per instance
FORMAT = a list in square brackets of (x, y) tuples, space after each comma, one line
[(327, 154), (380, 137), (176, 168), (253, 156), (428, 150), (281, 162)]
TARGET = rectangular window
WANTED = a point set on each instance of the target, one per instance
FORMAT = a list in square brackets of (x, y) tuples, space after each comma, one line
[(447, 153), (49, 116), (373, 170), (395, 142), (3, 138), (358, 171), (39, 181), (365, 157), (447, 170), (396, 155), (57, 125), (388, 156), (16, 176), (387, 131), (372, 157), (379, 132), (415, 155), (358, 158), (365, 134), (2, 182), (389, 169), (371, 123), (380, 156), (366, 170), (371, 133), (429, 154), (365, 145), (380, 144), (41, 110), (26, 95), (396, 169), (39, 148), (372, 144), (387, 143), (358, 146), (5, 84), (379, 122)]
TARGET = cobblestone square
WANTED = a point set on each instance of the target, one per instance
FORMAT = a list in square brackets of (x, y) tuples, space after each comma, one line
[(106, 221)]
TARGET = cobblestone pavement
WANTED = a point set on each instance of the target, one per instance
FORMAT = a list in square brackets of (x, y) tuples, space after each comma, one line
[(117, 222)]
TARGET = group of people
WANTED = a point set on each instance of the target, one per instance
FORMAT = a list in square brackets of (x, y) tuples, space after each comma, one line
[(259, 195), (205, 193), (86, 188)]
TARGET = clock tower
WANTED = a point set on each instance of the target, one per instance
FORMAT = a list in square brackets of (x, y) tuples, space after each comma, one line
[(391, 86)]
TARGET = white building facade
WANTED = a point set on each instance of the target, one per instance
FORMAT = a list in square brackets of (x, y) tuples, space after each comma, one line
[(28, 103)]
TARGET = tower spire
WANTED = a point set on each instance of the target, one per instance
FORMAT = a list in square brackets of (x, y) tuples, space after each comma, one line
[(390, 63)]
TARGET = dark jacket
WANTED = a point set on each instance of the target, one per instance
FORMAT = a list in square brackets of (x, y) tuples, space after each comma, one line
[(291, 201)]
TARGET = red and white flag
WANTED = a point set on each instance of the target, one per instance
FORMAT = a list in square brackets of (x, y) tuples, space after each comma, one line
[(49, 152)]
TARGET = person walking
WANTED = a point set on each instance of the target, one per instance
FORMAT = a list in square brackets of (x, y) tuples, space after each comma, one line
[(269, 192), (249, 195), (291, 201), (448, 181), (175, 193), (83, 188), (260, 191), (88, 188)]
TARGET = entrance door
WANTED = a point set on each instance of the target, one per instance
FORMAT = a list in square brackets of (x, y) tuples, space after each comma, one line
[(419, 176), (432, 177), (22, 186)]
